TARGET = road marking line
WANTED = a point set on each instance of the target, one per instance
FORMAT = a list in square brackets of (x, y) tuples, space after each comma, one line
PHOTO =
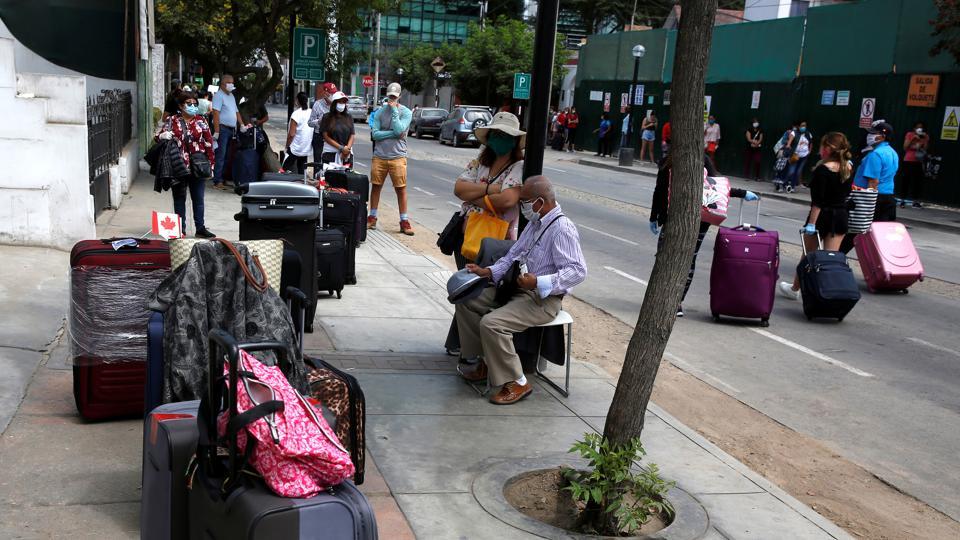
[(421, 190), (934, 346), (552, 169), (813, 353), (697, 372), (360, 164), (453, 204), (621, 273), (615, 237), (438, 177)]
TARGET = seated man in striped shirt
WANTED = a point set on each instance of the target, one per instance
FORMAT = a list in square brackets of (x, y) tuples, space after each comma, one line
[(551, 265)]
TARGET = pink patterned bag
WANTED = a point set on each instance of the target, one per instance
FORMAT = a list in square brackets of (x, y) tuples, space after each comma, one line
[(295, 450)]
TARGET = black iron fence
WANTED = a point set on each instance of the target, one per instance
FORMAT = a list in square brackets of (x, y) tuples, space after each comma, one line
[(109, 128)]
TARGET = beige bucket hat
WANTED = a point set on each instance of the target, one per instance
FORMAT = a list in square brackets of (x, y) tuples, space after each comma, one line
[(504, 122)]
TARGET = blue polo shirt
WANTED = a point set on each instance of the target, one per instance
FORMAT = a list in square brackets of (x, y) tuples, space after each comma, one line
[(882, 163)]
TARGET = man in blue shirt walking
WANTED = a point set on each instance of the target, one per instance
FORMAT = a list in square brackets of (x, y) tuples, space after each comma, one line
[(877, 170)]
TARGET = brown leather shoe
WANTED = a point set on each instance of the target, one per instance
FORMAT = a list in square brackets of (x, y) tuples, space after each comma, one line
[(474, 373), (511, 392)]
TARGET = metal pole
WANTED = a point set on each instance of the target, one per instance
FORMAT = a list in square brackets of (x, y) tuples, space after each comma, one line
[(180, 67), (291, 86), (436, 85), (539, 104), (376, 67), (633, 93)]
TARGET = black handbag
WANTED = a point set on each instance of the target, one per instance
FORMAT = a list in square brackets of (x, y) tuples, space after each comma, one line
[(199, 163), (451, 238), (508, 287)]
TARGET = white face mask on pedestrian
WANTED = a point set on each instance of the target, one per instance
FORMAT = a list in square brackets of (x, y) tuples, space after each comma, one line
[(526, 208), (341, 107), (872, 139)]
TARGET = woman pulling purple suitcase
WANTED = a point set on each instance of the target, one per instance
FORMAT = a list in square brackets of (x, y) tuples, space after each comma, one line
[(660, 207)]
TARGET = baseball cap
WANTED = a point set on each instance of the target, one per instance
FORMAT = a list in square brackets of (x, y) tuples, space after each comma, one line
[(881, 127), (393, 90), (329, 88), (337, 95)]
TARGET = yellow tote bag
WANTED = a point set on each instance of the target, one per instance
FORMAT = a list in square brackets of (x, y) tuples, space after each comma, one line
[(482, 225)]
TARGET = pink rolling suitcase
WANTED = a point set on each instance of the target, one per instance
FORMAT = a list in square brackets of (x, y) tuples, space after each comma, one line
[(888, 259), (743, 278)]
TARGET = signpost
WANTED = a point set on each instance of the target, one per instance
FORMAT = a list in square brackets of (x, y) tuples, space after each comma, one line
[(755, 99), (638, 95), (843, 98), (368, 81), (923, 91), (521, 85), (867, 109), (624, 100), (606, 102), (309, 54), (827, 97)]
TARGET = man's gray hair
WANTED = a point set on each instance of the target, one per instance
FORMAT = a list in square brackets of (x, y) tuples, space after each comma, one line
[(541, 187)]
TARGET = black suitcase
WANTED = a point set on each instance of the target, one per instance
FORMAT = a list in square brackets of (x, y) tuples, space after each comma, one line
[(169, 442), (289, 211), (331, 253), (557, 142), (281, 177), (225, 503), (345, 209), (827, 285), (353, 182)]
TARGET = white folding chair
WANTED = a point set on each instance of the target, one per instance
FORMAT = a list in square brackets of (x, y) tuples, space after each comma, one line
[(562, 319)]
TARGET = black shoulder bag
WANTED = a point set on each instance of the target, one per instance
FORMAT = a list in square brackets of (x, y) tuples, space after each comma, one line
[(199, 163), (508, 288)]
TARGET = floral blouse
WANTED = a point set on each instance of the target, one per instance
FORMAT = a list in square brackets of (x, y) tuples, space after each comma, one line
[(511, 177), (199, 137)]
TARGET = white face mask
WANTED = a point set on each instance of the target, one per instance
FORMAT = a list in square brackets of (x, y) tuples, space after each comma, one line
[(872, 139), (919, 131), (528, 212), (756, 124), (341, 107), (230, 87)]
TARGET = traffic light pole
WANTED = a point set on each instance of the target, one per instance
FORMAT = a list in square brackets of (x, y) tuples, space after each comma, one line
[(291, 91), (538, 111)]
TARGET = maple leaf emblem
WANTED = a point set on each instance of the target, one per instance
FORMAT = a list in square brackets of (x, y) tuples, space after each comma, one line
[(168, 223)]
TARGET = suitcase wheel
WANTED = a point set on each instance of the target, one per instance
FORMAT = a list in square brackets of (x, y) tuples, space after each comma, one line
[(339, 294), (716, 318), (839, 319), (764, 323), (906, 291), (330, 292)]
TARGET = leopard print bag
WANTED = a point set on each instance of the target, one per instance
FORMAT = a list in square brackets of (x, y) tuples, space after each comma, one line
[(343, 407)]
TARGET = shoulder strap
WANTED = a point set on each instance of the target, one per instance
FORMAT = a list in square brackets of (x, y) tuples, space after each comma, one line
[(186, 130), (544, 231)]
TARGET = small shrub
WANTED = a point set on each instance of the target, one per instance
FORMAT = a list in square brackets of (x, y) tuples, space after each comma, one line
[(619, 499)]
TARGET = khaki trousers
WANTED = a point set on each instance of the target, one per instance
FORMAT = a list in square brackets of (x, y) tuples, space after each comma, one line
[(486, 330)]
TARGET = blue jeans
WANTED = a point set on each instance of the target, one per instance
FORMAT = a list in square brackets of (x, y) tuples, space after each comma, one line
[(196, 187), (223, 144), (794, 171)]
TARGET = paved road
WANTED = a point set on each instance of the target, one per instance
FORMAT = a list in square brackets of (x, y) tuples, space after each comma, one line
[(882, 388)]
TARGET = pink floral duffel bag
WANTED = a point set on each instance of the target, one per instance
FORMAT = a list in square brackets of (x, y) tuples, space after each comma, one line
[(294, 450)]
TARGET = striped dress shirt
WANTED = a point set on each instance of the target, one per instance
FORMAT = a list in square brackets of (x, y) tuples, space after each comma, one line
[(556, 258)]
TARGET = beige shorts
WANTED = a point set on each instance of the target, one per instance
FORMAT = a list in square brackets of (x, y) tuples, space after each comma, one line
[(396, 168)]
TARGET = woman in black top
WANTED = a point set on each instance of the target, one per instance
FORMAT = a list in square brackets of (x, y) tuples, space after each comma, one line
[(751, 159), (660, 207), (338, 133), (829, 189)]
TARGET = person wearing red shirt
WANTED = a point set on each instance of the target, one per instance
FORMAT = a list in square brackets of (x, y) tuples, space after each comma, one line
[(573, 120), (665, 138)]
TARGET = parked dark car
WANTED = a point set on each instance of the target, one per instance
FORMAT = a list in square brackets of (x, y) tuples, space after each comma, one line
[(457, 128), (427, 122)]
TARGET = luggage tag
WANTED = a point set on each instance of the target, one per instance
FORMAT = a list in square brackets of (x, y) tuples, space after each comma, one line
[(124, 242)]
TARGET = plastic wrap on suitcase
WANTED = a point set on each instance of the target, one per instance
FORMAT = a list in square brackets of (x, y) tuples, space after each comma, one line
[(339, 393)]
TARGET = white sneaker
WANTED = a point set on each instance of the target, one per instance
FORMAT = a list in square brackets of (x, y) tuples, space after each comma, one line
[(786, 290)]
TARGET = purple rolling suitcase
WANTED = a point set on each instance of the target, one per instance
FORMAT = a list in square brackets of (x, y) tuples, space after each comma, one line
[(743, 279)]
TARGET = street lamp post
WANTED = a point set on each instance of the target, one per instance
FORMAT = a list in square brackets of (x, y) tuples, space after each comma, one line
[(400, 73), (626, 152)]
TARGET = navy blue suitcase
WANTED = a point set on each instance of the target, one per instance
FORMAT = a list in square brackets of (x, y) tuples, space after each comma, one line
[(153, 392), (246, 167), (827, 285)]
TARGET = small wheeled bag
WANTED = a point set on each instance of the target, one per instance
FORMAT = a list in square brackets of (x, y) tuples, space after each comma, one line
[(827, 285), (169, 442)]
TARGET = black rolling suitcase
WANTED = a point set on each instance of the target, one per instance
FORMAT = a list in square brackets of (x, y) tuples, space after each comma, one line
[(289, 211), (342, 211), (331, 253), (353, 182), (225, 503), (169, 442), (827, 285)]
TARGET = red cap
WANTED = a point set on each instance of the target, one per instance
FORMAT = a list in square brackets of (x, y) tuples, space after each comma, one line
[(329, 88)]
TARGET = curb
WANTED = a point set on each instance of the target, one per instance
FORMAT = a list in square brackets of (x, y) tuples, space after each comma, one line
[(934, 225)]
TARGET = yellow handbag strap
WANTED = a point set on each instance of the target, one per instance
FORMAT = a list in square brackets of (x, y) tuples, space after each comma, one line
[(489, 205)]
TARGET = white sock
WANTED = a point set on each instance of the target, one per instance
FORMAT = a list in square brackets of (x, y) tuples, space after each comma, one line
[(522, 381)]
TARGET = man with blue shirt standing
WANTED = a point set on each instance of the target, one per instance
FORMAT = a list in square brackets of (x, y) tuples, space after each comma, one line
[(878, 169), (226, 120), (389, 126)]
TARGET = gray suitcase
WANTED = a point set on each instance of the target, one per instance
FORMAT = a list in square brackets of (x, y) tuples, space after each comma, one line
[(226, 504), (169, 442)]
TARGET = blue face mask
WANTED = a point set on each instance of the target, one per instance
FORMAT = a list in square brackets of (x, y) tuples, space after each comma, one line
[(803, 129), (501, 143), (192, 109), (711, 121)]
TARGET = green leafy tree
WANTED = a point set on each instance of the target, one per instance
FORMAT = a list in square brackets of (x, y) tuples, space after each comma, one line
[(483, 67), (946, 27), (415, 61), (246, 38)]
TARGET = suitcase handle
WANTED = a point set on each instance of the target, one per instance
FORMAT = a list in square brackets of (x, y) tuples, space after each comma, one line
[(224, 346), (756, 223), (803, 243), (297, 304)]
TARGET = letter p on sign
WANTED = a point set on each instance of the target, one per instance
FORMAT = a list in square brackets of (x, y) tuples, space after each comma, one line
[(310, 47)]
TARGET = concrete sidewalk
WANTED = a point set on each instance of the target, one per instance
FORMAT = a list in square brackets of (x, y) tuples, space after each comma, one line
[(931, 217), (429, 435)]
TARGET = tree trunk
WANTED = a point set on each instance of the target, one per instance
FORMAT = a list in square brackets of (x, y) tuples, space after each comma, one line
[(658, 312)]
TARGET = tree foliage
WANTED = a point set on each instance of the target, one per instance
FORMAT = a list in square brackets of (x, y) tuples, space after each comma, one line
[(600, 15), (246, 38), (947, 28)]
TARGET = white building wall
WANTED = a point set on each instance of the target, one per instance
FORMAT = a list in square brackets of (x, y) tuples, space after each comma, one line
[(762, 10), (44, 184)]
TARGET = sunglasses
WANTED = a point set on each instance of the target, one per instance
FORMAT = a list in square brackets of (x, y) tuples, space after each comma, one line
[(191, 103)]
